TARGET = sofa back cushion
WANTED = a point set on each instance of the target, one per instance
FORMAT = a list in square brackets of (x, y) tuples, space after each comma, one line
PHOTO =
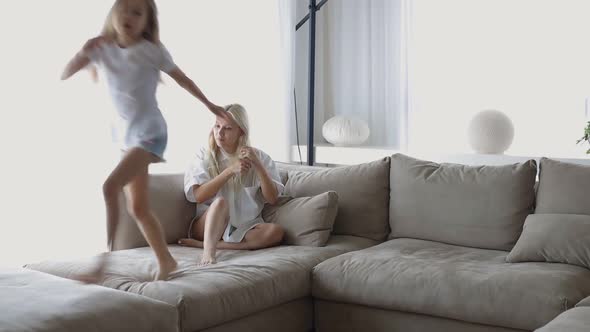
[(285, 168), (169, 205), (474, 206), (563, 188), (363, 195)]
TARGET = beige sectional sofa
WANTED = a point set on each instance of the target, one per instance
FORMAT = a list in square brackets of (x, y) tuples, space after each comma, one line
[(415, 246)]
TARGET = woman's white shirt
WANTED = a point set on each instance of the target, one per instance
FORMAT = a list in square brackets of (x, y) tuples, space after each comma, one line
[(244, 204)]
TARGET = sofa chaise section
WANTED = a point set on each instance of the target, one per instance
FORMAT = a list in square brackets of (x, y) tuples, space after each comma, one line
[(241, 284), (36, 301)]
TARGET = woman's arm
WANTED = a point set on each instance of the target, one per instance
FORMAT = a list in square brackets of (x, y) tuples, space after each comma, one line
[(208, 190), (81, 59), (190, 86), (269, 190)]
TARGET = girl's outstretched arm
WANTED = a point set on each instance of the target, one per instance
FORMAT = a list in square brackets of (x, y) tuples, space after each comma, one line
[(78, 62), (81, 59), (184, 81)]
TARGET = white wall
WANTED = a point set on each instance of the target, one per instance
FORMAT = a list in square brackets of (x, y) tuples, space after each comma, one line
[(527, 58), (56, 136)]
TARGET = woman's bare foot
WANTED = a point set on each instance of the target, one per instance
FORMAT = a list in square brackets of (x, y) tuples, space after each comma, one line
[(191, 243), (207, 259), (166, 268)]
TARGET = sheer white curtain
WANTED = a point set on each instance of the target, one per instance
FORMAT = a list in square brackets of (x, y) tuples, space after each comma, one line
[(56, 137), (287, 22), (361, 67)]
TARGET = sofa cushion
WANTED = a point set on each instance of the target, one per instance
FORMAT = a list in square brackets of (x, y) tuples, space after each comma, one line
[(468, 284), (363, 196), (554, 238), (307, 221), (167, 202), (573, 320), (241, 283), (563, 188), (475, 206), (35, 301)]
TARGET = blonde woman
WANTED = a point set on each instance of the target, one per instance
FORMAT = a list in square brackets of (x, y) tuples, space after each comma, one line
[(230, 182), (131, 55)]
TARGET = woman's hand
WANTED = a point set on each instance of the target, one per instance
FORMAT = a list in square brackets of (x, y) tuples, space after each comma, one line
[(249, 153), (240, 166)]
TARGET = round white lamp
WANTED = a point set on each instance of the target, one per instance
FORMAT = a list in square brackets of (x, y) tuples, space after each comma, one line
[(343, 131), (490, 132)]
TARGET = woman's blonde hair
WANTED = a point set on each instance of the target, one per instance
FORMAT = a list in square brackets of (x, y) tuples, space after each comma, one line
[(238, 113), (151, 32)]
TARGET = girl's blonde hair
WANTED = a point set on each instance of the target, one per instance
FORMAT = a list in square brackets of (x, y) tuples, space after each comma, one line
[(151, 32), (152, 28), (238, 113)]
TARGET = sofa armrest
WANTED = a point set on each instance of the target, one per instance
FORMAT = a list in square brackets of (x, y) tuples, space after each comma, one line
[(584, 303), (167, 203)]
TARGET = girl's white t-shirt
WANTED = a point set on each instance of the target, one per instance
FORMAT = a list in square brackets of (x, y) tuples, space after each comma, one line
[(245, 204), (132, 75)]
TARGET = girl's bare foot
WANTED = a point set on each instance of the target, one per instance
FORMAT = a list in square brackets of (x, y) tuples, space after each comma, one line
[(191, 243), (95, 276), (166, 268)]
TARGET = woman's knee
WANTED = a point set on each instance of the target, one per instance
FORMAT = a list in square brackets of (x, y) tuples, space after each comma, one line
[(218, 212), (220, 204)]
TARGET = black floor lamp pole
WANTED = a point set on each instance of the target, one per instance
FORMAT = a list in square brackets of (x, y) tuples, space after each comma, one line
[(313, 8)]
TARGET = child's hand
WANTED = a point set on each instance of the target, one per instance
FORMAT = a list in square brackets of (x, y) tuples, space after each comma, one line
[(94, 43), (218, 110)]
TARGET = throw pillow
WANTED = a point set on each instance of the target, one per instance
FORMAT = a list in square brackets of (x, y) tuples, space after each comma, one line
[(307, 221), (554, 238)]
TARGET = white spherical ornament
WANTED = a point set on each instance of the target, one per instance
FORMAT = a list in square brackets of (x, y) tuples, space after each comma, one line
[(342, 131), (490, 132)]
